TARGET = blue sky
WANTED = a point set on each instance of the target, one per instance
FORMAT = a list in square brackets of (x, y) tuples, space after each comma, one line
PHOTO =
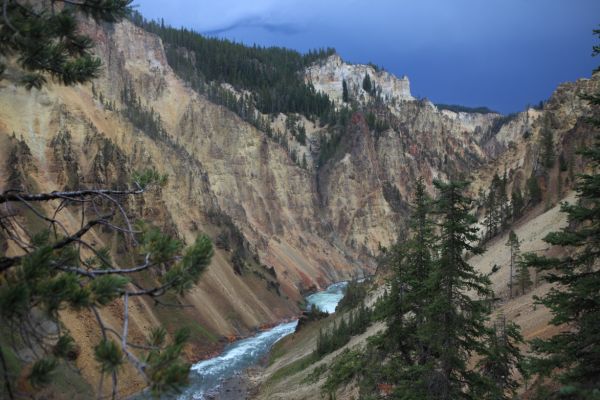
[(502, 54)]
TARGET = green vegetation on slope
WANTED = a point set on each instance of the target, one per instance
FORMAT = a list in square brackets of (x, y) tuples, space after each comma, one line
[(273, 74), (355, 323)]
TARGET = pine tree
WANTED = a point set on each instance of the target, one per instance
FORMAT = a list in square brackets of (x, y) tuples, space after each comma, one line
[(563, 166), (514, 245), (411, 261), (457, 322), (412, 264), (367, 85), (345, 97), (504, 208), (517, 203), (321, 343), (547, 144), (48, 43), (535, 192), (52, 273), (573, 355), (524, 281), (574, 302), (491, 219), (501, 360), (436, 312), (271, 74)]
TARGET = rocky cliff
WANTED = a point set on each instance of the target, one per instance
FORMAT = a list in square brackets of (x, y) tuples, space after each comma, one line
[(328, 75)]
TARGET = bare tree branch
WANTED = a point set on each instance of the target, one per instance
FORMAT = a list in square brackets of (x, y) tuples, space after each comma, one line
[(7, 262), (114, 385), (162, 303), (97, 272), (123, 213), (77, 194), (41, 216)]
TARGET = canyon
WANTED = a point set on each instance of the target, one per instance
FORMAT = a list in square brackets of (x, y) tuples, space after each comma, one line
[(300, 228)]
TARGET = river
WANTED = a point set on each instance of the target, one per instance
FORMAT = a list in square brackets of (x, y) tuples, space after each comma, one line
[(206, 376), (328, 299)]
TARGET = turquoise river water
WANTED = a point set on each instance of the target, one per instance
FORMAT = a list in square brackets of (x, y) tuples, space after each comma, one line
[(207, 376)]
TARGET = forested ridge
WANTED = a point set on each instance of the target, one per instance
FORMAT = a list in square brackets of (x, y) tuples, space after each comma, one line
[(272, 74)]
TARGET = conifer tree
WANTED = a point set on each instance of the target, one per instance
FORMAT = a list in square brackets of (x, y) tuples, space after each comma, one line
[(497, 210), (457, 324), (490, 221), (504, 211), (437, 311), (412, 264), (501, 360), (524, 281), (533, 187), (271, 74), (573, 355), (367, 85), (345, 96), (547, 144), (47, 42), (517, 203), (514, 245)]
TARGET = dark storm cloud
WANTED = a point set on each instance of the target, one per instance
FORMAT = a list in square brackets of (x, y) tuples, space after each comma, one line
[(258, 23)]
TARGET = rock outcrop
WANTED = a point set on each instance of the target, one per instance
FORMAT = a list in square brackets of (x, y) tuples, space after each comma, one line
[(327, 76)]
